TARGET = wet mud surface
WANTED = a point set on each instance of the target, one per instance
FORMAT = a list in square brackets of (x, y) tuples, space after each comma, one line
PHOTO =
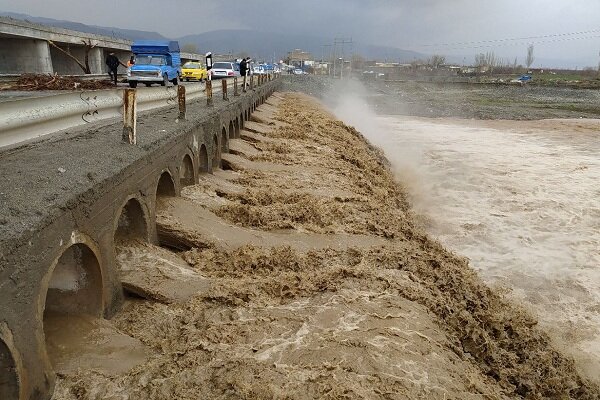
[(401, 317)]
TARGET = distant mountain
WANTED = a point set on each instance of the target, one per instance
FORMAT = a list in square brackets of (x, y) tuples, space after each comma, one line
[(262, 45), (129, 34), (268, 45)]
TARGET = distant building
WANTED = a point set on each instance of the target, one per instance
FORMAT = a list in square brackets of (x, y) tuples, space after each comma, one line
[(299, 58)]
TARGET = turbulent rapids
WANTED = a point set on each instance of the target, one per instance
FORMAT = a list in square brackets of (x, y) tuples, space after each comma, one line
[(301, 271)]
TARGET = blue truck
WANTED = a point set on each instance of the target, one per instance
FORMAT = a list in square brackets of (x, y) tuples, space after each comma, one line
[(156, 61)]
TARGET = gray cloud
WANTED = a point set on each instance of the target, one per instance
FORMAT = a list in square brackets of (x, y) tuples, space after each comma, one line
[(409, 24)]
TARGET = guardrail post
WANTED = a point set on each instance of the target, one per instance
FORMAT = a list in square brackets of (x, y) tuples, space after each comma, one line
[(208, 90), (251, 82), (181, 101), (129, 116), (235, 87), (224, 88)]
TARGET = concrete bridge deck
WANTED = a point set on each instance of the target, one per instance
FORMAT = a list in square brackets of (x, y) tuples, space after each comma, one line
[(67, 198)]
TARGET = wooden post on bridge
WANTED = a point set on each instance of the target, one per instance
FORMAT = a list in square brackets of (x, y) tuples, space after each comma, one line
[(224, 88), (208, 90), (235, 87), (129, 116), (181, 101), (251, 82)]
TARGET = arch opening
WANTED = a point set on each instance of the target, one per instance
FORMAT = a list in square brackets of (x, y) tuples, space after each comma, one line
[(224, 147), (75, 286), (241, 121), (231, 130), (9, 377), (166, 186), (203, 156), (186, 171), (216, 153), (131, 223), (74, 300), (236, 126)]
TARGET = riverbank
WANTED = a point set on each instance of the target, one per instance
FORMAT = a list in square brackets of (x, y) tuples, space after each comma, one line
[(467, 101), (321, 285)]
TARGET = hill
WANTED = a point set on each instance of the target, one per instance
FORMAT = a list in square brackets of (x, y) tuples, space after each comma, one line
[(262, 45), (269, 45), (130, 34)]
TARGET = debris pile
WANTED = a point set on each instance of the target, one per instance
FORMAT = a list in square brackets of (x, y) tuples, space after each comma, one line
[(32, 82)]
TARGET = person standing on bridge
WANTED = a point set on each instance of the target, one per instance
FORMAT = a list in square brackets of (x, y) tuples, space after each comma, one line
[(243, 72), (113, 66)]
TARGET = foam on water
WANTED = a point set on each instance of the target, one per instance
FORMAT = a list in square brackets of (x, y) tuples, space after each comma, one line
[(522, 204)]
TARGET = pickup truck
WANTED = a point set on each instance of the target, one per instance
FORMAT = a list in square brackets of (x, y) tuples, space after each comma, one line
[(156, 61)]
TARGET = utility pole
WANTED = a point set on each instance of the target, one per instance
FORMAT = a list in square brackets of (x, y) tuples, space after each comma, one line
[(323, 46), (343, 42)]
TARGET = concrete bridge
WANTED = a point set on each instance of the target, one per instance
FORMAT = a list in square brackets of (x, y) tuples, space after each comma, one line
[(24, 48), (67, 198)]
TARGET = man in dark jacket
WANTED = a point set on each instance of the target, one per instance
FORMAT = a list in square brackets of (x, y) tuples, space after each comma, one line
[(243, 72), (112, 62)]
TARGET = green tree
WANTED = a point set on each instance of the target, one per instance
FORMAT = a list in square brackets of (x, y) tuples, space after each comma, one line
[(529, 60)]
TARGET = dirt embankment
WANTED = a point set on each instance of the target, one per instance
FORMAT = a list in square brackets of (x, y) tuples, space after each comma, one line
[(34, 82), (404, 318)]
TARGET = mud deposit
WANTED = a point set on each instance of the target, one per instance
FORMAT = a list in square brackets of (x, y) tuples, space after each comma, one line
[(398, 318)]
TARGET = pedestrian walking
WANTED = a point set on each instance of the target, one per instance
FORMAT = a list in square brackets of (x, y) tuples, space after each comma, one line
[(112, 62), (131, 62)]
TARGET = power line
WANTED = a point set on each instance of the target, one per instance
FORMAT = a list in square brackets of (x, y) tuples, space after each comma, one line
[(523, 43), (506, 41)]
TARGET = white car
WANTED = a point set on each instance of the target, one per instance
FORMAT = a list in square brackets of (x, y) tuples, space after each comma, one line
[(224, 70)]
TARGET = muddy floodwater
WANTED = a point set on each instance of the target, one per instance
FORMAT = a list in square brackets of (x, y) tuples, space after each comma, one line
[(299, 270), (520, 199)]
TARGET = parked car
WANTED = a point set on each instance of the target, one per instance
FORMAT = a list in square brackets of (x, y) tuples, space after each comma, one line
[(298, 71), (224, 70), (193, 70), (156, 61)]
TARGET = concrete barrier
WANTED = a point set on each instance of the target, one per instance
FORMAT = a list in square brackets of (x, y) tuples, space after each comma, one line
[(26, 119)]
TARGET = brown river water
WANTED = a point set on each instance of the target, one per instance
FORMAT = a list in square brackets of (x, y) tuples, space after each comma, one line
[(302, 272), (520, 199)]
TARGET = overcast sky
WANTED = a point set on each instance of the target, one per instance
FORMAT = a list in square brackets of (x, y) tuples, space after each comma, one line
[(408, 24)]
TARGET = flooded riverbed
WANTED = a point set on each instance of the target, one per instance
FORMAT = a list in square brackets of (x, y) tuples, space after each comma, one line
[(319, 284), (520, 199)]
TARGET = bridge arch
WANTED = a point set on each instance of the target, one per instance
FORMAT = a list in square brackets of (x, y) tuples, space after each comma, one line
[(10, 383), (186, 171), (231, 130), (203, 165), (132, 222), (166, 185), (216, 159), (224, 141)]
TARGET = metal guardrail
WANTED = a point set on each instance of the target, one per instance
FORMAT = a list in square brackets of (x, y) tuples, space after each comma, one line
[(26, 119)]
